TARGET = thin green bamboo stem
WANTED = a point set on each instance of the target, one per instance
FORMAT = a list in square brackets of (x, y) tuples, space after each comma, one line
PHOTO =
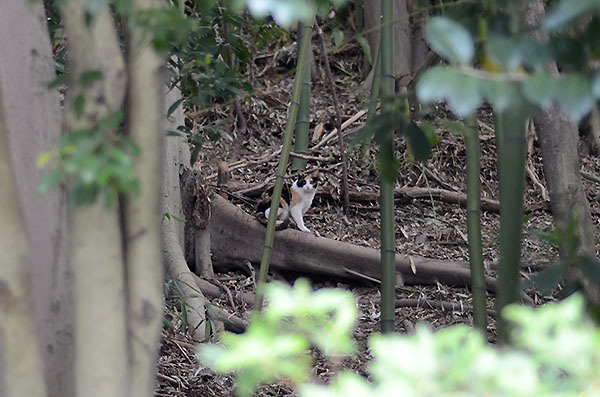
[(510, 130), (373, 97), (474, 225), (303, 60), (388, 238), (303, 119)]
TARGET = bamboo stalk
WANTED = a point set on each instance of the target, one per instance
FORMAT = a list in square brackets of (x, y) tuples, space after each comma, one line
[(303, 120), (303, 60), (388, 238), (474, 225), (510, 127)]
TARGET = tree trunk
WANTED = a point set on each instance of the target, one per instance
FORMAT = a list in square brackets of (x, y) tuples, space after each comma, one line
[(558, 138), (176, 159), (142, 212), (101, 350), (420, 49), (98, 260), (33, 121), (402, 38), (20, 359)]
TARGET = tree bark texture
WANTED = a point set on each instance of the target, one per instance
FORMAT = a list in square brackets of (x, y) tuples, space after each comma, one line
[(142, 212), (93, 48), (97, 256), (101, 364), (20, 359), (237, 237), (558, 138), (402, 38), (33, 122)]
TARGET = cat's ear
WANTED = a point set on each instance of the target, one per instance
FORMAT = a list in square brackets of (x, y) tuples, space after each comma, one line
[(300, 172), (315, 174)]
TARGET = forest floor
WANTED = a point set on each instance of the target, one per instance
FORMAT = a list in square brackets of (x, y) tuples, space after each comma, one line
[(425, 227)]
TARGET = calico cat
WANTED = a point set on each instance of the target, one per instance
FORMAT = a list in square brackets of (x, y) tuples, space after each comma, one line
[(294, 201)]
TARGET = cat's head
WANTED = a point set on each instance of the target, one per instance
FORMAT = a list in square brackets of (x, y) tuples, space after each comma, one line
[(308, 182)]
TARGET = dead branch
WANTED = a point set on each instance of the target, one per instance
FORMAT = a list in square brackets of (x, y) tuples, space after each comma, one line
[(438, 304), (404, 194), (333, 133), (237, 236), (310, 158)]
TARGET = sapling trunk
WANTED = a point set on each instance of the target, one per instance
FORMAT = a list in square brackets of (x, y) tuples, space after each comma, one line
[(388, 238), (474, 225), (511, 143), (303, 60), (303, 119)]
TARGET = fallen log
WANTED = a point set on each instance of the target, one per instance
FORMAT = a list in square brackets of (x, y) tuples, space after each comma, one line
[(237, 236)]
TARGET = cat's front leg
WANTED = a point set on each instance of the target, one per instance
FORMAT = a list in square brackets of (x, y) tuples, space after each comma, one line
[(296, 213)]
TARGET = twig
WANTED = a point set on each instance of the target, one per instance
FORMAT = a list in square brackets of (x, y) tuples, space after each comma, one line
[(339, 120), (533, 177), (529, 165), (355, 273), (485, 126), (436, 178), (183, 352), (224, 288), (310, 158), (168, 379)]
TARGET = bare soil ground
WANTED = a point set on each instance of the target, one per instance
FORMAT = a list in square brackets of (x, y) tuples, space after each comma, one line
[(424, 227)]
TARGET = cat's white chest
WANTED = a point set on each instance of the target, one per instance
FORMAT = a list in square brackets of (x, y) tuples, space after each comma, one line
[(304, 198)]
